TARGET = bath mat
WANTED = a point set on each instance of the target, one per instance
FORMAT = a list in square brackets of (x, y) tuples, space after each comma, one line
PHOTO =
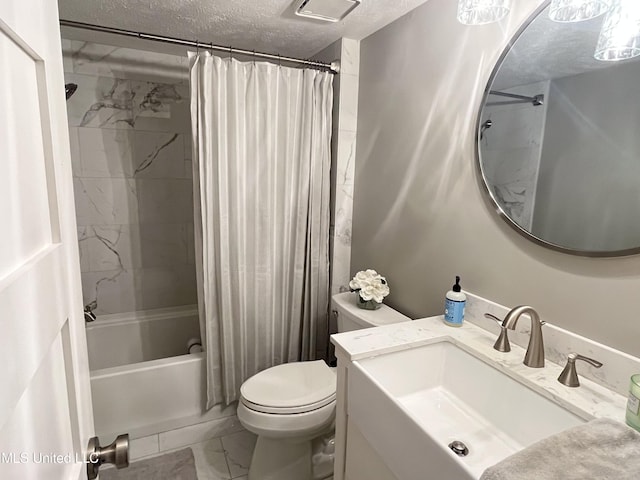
[(178, 465)]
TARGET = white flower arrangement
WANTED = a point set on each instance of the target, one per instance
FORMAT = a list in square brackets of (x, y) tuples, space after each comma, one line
[(370, 285)]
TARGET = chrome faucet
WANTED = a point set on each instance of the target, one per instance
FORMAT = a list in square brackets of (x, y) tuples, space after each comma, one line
[(534, 357)]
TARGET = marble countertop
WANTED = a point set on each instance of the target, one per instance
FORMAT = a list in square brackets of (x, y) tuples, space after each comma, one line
[(588, 401)]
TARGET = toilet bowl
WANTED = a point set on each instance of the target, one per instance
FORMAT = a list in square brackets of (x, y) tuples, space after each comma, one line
[(287, 406), (291, 407)]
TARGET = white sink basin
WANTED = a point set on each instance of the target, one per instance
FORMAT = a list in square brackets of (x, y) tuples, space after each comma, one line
[(432, 395)]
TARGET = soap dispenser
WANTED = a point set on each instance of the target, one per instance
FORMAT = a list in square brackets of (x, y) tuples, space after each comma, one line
[(454, 304)]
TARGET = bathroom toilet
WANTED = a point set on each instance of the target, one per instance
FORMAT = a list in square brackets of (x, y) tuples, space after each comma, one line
[(291, 407)]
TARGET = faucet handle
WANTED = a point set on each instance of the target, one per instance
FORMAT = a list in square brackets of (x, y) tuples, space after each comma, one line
[(502, 343), (569, 375), (491, 316)]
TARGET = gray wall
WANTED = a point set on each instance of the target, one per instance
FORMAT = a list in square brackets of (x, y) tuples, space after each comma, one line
[(589, 181), (420, 216)]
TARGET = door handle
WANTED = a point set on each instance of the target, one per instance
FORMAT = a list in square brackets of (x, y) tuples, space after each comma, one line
[(117, 453)]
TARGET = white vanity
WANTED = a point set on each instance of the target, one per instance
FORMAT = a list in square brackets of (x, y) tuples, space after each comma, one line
[(406, 392)]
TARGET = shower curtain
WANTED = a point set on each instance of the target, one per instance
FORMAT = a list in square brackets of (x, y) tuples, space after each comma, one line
[(261, 137)]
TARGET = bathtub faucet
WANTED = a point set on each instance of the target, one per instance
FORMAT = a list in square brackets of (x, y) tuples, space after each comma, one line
[(89, 316)]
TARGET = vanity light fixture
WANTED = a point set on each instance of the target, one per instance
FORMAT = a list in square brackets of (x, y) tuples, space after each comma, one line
[(565, 11), (481, 12), (620, 34)]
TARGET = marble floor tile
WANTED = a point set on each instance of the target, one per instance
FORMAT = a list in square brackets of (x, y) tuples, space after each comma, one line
[(199, 433), (238, 448), (221, 458), (210, 460), (169, 466)]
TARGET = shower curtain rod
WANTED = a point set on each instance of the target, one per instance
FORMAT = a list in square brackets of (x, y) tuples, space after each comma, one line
[(330, 67), (536, 100)]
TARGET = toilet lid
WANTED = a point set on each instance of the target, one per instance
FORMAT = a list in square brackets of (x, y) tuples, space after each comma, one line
[(290, 388)]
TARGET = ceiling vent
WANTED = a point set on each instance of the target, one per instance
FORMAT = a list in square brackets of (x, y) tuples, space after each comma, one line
[(326, 10)]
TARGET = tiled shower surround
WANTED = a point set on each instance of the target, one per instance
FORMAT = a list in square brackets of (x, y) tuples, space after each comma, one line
[(512, 149), (129, 126), (343, 153), (130, 136)]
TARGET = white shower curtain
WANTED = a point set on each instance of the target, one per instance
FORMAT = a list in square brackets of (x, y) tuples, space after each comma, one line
[(261, 137)]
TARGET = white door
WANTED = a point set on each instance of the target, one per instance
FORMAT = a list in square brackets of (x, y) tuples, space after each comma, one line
[(46, 418)]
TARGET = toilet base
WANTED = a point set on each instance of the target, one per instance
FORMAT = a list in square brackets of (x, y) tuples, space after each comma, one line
[(277, 459), (280, 459)]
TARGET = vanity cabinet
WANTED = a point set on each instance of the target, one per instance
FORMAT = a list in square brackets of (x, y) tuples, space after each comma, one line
[(407, 392), (362, 461), (355, 458)]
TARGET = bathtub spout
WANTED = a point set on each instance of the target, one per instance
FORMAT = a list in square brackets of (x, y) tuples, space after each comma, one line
[(89, 316)]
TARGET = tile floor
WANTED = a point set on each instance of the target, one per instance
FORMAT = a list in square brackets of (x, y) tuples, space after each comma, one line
[(221, 458), (224, 458)]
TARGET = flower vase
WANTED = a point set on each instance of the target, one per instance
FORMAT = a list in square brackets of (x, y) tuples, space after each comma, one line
[(368, 304)]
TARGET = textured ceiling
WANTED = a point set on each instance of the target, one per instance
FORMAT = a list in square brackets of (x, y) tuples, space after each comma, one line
[(548, 50), (263, 25)]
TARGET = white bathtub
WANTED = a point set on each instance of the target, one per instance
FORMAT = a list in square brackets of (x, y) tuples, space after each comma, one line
[(143, 381), (134, 337)]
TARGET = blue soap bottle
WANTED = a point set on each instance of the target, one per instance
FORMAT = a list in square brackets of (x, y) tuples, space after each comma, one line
[(454, 304)]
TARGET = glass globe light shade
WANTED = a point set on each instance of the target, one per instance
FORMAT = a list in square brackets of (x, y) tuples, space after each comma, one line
[(481, 12), (577, 10), (620, 35)]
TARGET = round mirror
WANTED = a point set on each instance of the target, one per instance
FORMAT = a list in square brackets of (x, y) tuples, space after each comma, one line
[(558, 140)]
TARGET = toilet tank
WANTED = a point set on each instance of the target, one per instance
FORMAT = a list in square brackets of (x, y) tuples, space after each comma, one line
[(351, 317)]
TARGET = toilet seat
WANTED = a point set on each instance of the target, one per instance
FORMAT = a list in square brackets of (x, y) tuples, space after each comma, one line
[(294, 425), (288, 410), (291, 388)]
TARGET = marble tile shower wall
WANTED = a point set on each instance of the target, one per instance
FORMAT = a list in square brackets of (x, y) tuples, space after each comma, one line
[(130, 130), (343, 155), (512, 149)]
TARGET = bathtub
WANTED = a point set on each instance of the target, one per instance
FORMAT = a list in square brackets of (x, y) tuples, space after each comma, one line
[(143, 381), (134, 337)]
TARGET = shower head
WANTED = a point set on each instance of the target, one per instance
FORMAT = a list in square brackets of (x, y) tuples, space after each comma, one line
[(70, 89)]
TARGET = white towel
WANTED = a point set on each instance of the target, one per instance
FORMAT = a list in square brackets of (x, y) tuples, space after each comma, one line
[(601, 449)]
